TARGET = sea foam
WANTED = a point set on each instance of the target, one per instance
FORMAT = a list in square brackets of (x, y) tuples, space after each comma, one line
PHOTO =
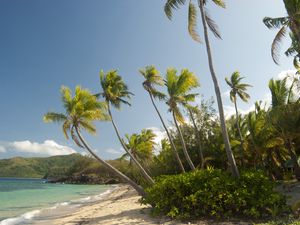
[(24, 218)]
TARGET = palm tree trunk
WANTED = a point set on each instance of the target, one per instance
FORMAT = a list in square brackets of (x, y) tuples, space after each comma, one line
[(122, 176), (240, 133), (186, 154), (144, 173), (168, 134), (229, 153), (198, 138)]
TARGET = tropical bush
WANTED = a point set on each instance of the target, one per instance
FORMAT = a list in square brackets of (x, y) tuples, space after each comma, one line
[(215, 193)]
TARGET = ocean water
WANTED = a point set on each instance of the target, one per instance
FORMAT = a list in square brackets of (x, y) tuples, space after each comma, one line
[(24, 201)]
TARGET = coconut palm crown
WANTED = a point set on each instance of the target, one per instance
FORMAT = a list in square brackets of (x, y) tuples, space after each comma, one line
[(179, 87), (81, 110), (152, 78), (172, 5), (141, 145), (290, 22), (115, 91), (237, 88)]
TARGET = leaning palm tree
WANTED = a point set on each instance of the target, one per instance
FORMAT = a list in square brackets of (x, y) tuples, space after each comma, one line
[(179, 87), (81, 110), (153, 78), (207, 23), (238, 89), (115, 92), (290, 22)]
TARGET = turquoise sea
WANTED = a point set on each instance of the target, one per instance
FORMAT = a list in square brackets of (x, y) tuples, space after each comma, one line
[(24, 201)]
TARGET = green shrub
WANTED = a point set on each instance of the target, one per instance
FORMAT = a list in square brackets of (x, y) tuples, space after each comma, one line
[(214, 193)]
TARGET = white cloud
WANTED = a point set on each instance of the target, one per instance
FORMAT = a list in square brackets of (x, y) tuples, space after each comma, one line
[(2, 149), (285, 73), (160, 134), (230, 110), (48, 147), (113, 151), (226, 94)]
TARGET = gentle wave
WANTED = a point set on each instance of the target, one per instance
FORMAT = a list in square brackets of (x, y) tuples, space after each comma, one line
[(29, 216), (26, 217)]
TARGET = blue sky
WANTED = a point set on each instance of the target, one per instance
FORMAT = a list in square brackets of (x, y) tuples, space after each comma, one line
[(47, 44)]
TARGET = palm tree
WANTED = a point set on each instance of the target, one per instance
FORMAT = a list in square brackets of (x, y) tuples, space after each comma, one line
[(290, 22), (178, 87), (115, 92), (81, 110), (207, 22), (141, 145), (153, 78), (238, 89), (284, 108), (286, 119)]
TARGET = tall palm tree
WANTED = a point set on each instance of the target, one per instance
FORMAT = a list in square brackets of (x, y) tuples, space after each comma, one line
[(115, 92), (179, 87), (238, 89), (208, 23), (153, 78), (80, 112), (290, 22)]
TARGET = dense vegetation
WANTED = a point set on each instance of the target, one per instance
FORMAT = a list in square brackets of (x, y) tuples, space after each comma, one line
[(216, 166), (215, 193)]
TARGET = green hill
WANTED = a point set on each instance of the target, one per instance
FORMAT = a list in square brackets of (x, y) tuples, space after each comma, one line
[(38, 167)]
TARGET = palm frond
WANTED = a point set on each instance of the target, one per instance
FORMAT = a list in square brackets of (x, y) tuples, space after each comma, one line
[(220, 3), (276, 44), (272, 23), (212, 25), (172, 5), (54, 117), (66, 128), (157, 94), (192, 22), (88, 126)]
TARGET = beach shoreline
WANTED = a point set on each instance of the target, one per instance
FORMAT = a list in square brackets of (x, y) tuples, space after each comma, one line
[(122, 207)]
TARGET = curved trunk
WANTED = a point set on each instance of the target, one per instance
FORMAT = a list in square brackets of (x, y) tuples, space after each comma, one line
[(144, 173), (122, 176), (168, 134), (229, 153), (186, 154), (198, 138), (240, 133)]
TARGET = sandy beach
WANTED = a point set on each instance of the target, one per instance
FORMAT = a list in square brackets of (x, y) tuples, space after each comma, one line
[(122, 207)]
